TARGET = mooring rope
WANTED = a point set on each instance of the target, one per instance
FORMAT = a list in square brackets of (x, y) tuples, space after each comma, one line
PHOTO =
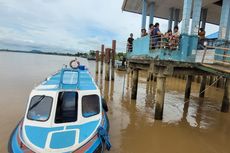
[(177, 105)]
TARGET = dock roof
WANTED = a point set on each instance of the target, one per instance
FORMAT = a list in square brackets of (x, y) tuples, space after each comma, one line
[(162, 8)]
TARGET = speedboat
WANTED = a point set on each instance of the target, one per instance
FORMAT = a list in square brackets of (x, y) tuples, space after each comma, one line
[(65, 113)]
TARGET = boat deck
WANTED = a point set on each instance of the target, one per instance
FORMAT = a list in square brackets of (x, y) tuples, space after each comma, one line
[(69, 79)]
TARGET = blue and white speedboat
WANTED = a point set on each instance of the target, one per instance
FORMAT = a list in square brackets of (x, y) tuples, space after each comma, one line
[(65, 113)]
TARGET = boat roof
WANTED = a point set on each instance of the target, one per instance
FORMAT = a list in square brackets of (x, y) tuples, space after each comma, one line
[(69, 79), (162, 8)]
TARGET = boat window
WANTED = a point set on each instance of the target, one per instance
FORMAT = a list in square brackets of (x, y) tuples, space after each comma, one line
[(70, 77), (66, 107), (40, 107), (90, 105)]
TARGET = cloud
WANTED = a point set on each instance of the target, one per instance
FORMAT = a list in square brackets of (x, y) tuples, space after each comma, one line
[(66, 25)]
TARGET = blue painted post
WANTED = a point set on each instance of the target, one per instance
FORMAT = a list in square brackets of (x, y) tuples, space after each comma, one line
[(223, 27), (224, 19), (171, 11), (176, 17), (144, 8), (196, 17), (228, 31), (195, 25), (186, 16), (151, 13), (187, 7)]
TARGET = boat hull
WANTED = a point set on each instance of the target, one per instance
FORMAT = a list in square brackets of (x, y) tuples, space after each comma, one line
[(94, 145)]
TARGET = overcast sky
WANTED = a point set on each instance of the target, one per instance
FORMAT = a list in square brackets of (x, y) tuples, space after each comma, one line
[(64, 25)]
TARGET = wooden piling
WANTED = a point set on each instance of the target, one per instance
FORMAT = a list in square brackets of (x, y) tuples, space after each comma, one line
[(202, 86), (102, 57), (107, 64), (97, 59), (211, 80), (113, 58), (198, 79), (226, 98), (148, 76), (188, 86), (134, 84), (160, 95)]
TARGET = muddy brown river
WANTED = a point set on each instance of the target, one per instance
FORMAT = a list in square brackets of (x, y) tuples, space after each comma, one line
[(196, 126)]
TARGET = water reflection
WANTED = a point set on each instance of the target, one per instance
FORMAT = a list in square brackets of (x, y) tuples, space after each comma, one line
[(196, 126)]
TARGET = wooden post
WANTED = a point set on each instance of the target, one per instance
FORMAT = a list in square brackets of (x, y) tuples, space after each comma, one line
[(97, 59), (107, 62), (188, 86), (198, 79), (202, 86), (134, 83), (226, 98), (211, 80), (148, 76), (102, 57), (160, 95), (113, 58)]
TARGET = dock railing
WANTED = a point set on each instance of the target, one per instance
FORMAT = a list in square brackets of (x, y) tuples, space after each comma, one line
[(162, 42), (221, 52)]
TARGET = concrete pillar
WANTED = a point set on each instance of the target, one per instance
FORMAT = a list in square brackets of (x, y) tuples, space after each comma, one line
[(113, 58), (134, 84), (226, 98), (224, 20), (160, 95), (171, 11), (187, 7), (102, 57), (97, 59), (176, 17), (195, 24), (196, 17), (228, 30), (202, 86), (107, 64), (188, 86), (144, 13), (151, 13), (184, 41), (204, 14)]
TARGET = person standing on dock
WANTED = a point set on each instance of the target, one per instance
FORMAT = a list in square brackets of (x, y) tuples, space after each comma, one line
[(175, 37), (130, 43), (201, 34), (156, 34), (143, 32)]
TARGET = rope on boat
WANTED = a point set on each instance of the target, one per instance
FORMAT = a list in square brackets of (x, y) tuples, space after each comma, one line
[(103, 134)]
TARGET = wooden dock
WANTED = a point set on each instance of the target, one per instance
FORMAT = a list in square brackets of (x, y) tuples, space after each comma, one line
[(161, 69)]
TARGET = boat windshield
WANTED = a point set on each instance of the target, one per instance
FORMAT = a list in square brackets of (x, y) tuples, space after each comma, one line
[(90, 105), (67, 106), (40, 107)]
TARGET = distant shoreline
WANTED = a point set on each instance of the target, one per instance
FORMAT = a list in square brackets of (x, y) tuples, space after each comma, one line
[(46, 53)]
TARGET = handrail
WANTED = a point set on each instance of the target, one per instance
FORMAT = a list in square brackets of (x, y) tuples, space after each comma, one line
[(225, 49), (164, 42), (224, 61)]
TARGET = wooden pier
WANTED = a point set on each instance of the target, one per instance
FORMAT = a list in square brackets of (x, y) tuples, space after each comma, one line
[(187, 57), (161, 69)]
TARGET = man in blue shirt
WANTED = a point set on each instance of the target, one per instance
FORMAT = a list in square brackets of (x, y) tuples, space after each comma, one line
[(156, 34)]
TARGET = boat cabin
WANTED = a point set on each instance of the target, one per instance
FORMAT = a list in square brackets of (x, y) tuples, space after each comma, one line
[(63, 113)]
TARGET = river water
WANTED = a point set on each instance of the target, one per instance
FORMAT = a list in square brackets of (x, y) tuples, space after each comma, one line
[(196, 126)]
